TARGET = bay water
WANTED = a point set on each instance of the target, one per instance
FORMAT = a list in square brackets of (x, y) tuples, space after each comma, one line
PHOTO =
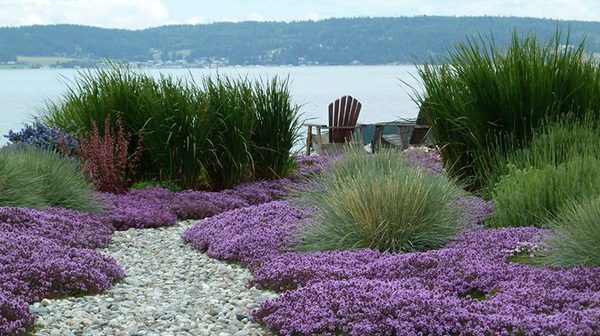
[(384, 91)]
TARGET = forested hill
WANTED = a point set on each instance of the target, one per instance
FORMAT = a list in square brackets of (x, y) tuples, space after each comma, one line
[(332, 41)]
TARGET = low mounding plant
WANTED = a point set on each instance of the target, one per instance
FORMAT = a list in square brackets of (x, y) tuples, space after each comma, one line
[(105, 158), (380, 202), (487, 99), (577, 239), (528, 196), (33, 177)]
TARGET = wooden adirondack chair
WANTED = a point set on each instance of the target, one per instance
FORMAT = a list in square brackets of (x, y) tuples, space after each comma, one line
[(343, 118)]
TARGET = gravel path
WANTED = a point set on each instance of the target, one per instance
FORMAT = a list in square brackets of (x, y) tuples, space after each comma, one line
[(170, 289)]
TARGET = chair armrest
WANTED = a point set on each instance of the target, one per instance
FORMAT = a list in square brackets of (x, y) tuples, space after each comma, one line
[(315, 125), (344, 127)]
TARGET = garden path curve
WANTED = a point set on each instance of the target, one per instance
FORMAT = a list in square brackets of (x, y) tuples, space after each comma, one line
[(170, 289)]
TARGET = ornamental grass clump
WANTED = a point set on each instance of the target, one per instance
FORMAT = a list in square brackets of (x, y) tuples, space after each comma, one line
[(210, 134), (485, 98), (276, 131), (230, 160), (577, 235), (380, 202), (32, 177)]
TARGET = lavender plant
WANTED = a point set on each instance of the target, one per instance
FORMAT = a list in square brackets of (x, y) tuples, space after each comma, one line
[(43, 136)]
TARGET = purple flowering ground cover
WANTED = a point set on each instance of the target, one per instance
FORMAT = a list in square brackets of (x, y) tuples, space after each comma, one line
[(73, 228), (469, 287), (158, 207), (49, 253), (33, 267)]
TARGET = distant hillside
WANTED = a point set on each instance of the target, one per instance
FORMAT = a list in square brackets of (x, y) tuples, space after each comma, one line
[(332, 41)]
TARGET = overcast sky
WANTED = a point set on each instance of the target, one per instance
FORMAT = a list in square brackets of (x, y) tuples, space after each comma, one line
[(136, 14)]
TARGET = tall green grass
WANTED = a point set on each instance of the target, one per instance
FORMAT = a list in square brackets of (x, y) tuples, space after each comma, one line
[(34, 178), (577, 239), (207, 134), (276, 131), (231, 160), (380, 202), (484, 96)]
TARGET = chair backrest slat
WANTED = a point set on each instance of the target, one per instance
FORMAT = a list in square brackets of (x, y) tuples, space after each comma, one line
[(343, 112)]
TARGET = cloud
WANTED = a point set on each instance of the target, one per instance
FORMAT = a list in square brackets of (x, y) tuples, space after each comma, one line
[(255, 17), (147, 13), (195, 20), (102, 13), (313, 16)]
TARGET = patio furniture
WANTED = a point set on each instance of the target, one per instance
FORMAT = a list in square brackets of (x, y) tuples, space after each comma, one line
[(343, 117), (416, 128)]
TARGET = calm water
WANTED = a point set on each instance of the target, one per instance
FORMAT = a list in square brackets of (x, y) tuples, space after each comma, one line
[(379, 88)]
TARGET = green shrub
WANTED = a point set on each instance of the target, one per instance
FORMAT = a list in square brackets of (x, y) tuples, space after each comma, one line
[(208, 135), (32, 177), (528, 196), (487, 99), (380, 202), (553, 143), (577, 239)]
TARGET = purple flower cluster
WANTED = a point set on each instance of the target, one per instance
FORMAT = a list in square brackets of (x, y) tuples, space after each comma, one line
[(144, 208), (424, 157), (250, 235), (15, 316), (468, 288), (35, 267), (475, 210), (73, 228), (310, 165), (157, 207), (46, 254)]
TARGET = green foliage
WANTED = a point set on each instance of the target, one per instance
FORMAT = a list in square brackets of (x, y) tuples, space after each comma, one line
[(211, 135), (155, 184), (277, 129), (529, 196), (330, 41), (553, 143), (232, 102), (577, 239), (16, 185), (380, 202), (32, 177), (488, 100)]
